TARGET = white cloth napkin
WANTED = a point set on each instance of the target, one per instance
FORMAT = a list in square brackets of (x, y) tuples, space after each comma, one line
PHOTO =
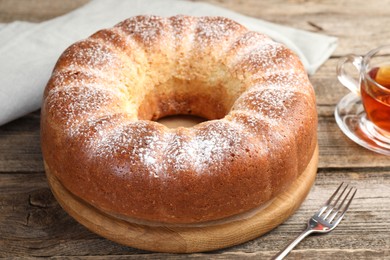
[(28, 51)]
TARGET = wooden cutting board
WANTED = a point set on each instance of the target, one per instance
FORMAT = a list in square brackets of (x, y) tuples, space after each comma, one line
[(188, 239)]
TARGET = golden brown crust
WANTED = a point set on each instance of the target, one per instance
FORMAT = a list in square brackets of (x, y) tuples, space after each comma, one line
[(98, 141)]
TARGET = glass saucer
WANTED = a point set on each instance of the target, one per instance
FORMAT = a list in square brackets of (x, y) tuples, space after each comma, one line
[(351, 118)]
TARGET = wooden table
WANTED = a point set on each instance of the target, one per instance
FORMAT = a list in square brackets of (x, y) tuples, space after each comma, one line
[(33, 224)]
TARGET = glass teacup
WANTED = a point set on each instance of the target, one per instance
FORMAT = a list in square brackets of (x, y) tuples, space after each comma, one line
[(364, 114)]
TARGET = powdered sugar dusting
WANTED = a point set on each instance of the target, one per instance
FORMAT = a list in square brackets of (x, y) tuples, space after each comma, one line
[(245, 44), (214, 29), (141, 142), (61, 80), (178, 153), (182, 27), (285, 80), (203, 150), (264, 58), (87, 54), (95, 130), (88, 103), (251, 39), (214, 144), (72, 105), (206, 148), (148, 29), (269, 103)]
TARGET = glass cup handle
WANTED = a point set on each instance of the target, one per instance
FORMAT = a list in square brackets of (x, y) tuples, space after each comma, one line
[(347, 80)]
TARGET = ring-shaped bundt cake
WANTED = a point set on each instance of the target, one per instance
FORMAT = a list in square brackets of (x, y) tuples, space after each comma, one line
[(100, 139)]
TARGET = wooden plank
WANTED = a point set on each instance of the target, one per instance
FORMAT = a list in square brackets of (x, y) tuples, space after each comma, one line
[(35, 11), (337, 150), (20, 149), (328, 89), (296, 254), (33, 224)]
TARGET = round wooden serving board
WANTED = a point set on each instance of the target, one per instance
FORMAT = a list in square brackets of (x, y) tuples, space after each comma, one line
[(188, 239)]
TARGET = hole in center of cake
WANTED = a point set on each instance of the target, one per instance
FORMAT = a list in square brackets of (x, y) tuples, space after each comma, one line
[(176, 121), (185, 104)]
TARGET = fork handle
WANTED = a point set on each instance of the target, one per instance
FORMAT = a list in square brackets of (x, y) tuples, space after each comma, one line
[(295, 242)]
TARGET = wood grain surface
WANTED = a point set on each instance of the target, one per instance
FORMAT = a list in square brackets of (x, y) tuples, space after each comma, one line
[(32, 224)]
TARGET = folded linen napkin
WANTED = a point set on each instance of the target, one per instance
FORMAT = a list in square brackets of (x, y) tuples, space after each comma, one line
[(28, 51)]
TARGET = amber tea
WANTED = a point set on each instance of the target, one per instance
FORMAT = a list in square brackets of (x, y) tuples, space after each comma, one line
[(375, 92), (364, 114)]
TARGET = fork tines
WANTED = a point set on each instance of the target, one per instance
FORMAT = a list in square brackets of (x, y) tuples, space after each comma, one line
[(327, 218), (335, 207)]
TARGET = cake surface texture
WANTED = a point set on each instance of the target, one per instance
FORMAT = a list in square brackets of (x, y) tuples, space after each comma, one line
[(100, 137)]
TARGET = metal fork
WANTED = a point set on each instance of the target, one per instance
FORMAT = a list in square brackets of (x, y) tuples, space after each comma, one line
[(326, 219)]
